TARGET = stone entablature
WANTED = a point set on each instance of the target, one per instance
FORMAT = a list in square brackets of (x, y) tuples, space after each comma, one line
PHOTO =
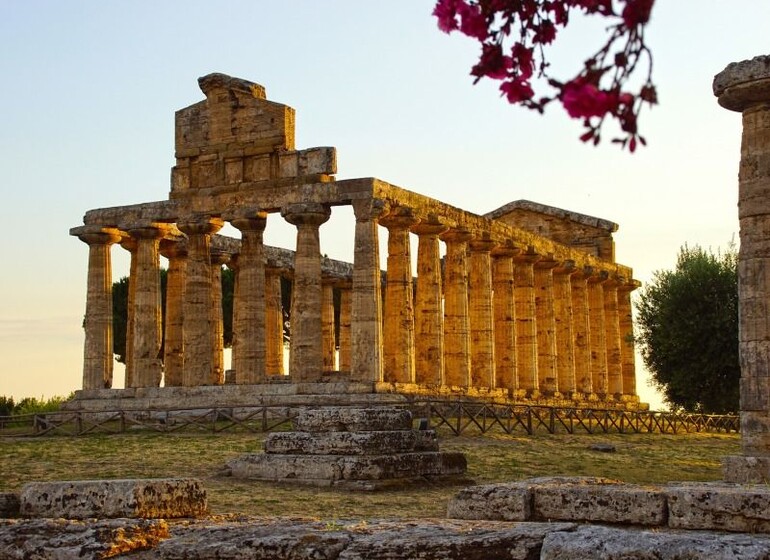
[(513, 311)]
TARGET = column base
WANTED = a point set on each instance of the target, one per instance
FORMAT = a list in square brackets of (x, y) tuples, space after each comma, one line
[(743, 469)]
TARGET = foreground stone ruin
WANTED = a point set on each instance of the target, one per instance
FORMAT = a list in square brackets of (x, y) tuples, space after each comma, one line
[(358, 449), (546, 519), (527, 305)]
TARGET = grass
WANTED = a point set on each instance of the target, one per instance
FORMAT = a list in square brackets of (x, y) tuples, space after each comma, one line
[(640, 458)]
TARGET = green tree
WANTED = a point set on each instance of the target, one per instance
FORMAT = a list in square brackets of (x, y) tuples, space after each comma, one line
[(688, 331)]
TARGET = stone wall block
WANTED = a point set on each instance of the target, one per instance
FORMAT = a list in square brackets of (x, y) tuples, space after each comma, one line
[(145, 498), (608, 543), (343, 419), (350, 443), (494, 502), (719, 507)]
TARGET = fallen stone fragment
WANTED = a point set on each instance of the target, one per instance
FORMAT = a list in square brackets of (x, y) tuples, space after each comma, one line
[(350, 443), (720, 506), (602, 447), (63, 539), (144, 498), (592, 542)]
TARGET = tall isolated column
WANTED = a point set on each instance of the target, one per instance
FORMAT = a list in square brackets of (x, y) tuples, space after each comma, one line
[(565, 341), (249, 353), (398, 329), (147, 312), (97, 349), (546, 327), (505, 316), (612, 337), (598, 333), (627, 354), (428, 315), (526, 323), (273, 323), (481, 314), (457, 364), (745, 87), (581, 328), (198, 347), (366, 344), (173, 345), (305, 357), (217, 316)]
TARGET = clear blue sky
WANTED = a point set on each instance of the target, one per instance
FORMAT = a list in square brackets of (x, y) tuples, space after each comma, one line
[(90, 89)]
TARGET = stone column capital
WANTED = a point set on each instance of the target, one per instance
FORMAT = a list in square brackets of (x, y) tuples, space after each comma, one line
[(255, 222), (431, 225), (310, 213), (218, 258), (172, 249), (598, 277), (566, 268), (629, 286), (546, 263), (744, 85), (456, 236), (97, 235), (399, 218), (200, 226), (527, 258), (506, 249), (369, 209), (482, 244), (145, 231)]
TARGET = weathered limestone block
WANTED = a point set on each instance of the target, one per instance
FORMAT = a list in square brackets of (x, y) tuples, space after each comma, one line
[(145, 498), (351, 443), (606, 543), (9, 505), (603, 502), (344, 419), (561, 498), (327, 470), (746, 469), (62, 539), (723, 507)]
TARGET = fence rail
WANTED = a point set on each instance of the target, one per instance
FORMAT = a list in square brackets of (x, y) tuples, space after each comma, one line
[(450, 418)]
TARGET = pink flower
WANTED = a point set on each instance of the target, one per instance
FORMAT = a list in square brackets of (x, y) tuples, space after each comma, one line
[(472, 21), (585, 100), (637, 12), (492, 63), (446, 12), (517, 90)]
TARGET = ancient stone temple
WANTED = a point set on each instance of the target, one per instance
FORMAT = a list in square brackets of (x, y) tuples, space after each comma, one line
[(527, 303)]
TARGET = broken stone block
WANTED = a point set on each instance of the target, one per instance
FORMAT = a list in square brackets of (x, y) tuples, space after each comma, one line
[(344, 419), (719, 506), (144, 498)]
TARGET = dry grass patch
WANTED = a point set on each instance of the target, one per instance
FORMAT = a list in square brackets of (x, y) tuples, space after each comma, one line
[(640, 458)]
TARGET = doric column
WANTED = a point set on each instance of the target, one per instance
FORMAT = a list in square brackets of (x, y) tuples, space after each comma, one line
[(217, 316), (565, 341), (130, 244), (147, 312), (273, 323), (598, 333), (428, 315), (581, 328), (526, 323), (627, 353), (249, 314), (612, 338), (329, 343), (545, 321), (173, 344), (366, 345), (745, 87), (505, 316), (398, 328), (481, 315), (305, 357), (457, 364), (198, 348), (346, 300), (97, 349)]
